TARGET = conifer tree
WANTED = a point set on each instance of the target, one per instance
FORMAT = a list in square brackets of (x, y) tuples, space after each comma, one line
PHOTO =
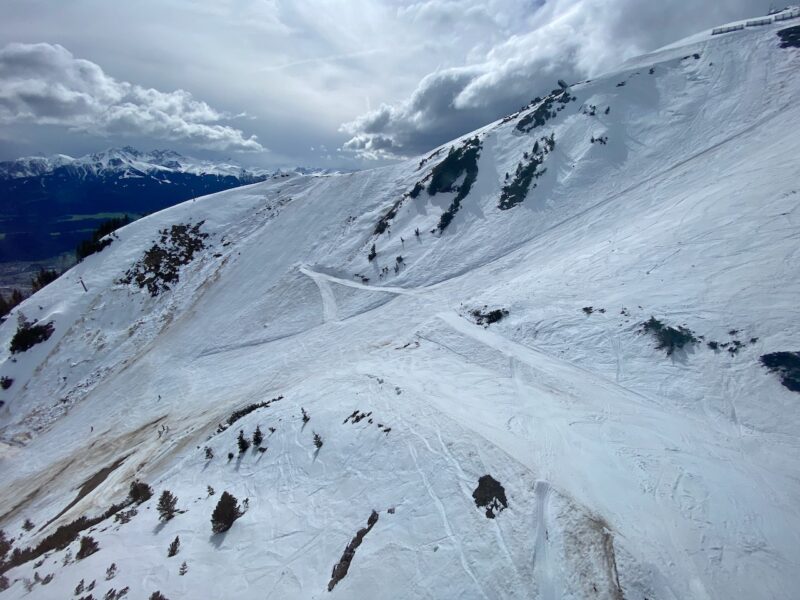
[(174, 546), (225, 513), (243, 443), (88, 547), (166, 505)]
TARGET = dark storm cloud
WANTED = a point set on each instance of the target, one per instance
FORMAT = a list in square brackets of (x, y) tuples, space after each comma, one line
[(375, 78), (568, 39)]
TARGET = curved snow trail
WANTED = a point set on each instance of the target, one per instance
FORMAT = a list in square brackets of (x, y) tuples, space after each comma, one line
[(318, 275), (330, 311), (446, 522), (542, 562)]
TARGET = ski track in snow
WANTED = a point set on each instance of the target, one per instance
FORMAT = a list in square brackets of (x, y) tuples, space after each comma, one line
[(543, 565), (329, 308), (689, 461), (446, 522)]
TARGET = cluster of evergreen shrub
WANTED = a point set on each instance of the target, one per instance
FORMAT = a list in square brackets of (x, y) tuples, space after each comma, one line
[(160, 265), (544, 112), (42, 278), (29, 334), (459, 161), (243, 412), (786, 365), (15, 299), (100, 237), (386, 219), (515, 191), (668, 338), (790, 37)]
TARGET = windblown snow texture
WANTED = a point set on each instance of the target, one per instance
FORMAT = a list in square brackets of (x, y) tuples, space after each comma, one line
[(621, 469)]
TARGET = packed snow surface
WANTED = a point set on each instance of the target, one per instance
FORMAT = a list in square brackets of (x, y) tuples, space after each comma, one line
[(623, 470)]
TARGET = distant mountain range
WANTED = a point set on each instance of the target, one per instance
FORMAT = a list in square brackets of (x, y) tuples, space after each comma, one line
[(49, 204), (555, 358)]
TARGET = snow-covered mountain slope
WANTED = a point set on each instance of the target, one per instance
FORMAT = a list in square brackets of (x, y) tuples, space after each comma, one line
[(48, 205), (615, 469)]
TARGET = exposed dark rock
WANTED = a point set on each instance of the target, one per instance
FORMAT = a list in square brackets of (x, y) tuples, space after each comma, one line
[(491, 495), (340, 568), (487, 317)]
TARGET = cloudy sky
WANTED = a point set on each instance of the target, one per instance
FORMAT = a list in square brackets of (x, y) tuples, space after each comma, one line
[(344, 83)]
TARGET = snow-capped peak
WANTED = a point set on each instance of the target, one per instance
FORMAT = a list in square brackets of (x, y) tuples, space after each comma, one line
[(556, 358), (123, 159)]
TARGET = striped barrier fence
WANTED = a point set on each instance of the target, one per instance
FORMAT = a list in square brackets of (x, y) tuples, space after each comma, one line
[(726, 29), (788, 14)]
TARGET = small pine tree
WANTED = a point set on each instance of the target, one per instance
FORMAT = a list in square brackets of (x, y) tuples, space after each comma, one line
[(317, 441), (210, 490), (225, 513), (140, 492), (209, 453), (166, 505), (258, 437), (306, 418), (28, 525), (243, 443), (184, 569), (111, 571), (88, 547), (42, 279), (79, 587), (372, 253), (5, 545), (230, 456), (174, 546), (157, 596)]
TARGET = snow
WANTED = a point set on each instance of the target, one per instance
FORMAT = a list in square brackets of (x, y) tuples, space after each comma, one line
[(129, 161), (628, 473)]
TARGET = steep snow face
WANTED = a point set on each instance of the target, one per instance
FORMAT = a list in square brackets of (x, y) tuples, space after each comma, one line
[(345, 311)]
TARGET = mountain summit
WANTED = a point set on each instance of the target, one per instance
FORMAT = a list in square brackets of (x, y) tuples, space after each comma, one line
[(124, 160), (554, 358)]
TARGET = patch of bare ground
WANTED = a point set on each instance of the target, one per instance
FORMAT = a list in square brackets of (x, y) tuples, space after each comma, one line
[(589, 548)]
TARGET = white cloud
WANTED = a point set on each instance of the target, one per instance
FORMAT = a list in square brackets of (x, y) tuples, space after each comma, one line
[(45, 84), (559, 39)]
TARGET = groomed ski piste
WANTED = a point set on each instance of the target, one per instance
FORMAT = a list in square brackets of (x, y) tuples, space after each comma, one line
[(508, 343)]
